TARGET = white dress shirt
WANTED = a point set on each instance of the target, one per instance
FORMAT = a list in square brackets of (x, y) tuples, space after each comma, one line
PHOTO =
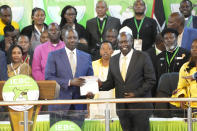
[(68, 51), (129, 55), (157, 50), (179, 39)]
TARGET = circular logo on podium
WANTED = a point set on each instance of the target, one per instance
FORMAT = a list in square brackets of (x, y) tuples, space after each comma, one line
[(20, 88), (65, 126)]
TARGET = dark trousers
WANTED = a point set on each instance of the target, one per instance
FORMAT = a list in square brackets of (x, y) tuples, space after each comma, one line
[(134, 120), (76, 116)]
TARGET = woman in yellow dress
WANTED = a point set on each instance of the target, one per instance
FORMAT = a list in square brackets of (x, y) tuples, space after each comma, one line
[(187, 87), (17, 66), (100, 68)]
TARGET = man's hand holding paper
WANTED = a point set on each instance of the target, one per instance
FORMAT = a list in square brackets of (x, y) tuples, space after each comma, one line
[(90, 85)]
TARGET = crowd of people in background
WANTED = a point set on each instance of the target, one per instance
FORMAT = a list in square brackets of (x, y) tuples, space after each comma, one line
[(132, 59)]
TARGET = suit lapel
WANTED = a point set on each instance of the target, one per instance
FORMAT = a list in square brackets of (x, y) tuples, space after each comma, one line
[(117, 68), (184, 38), (95, 27), (79, 60), (131, 66), (107, 24), (65, 60)]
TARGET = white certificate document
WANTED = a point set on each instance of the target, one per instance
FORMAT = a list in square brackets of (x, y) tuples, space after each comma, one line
[(91, 85)]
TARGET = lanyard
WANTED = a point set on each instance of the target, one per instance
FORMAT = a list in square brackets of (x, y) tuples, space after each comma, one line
[(169, 62), (189, 22), (101, 28), (19, 69), (138, 27), (25, 58)]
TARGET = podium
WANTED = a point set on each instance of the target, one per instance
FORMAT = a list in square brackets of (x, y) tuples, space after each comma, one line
[(48, 90)]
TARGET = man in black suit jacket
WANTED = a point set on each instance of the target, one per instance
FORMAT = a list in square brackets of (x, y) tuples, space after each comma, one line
[(98, 26), (133, 78), (186, 10), (144, 28), (153, 53), (173, 57)]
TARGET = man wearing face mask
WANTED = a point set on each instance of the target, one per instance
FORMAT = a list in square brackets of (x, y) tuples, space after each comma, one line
[(174, 57)]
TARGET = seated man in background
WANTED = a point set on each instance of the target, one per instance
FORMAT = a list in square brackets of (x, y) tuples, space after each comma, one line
[(6, 19), (10, 38), (100, 68), (111, 36), (83, 45), (173, 57), (153, 53)]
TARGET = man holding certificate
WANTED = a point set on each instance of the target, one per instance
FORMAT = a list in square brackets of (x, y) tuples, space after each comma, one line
[(132, 75), (66, 66)]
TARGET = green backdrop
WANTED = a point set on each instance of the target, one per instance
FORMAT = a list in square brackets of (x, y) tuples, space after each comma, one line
[(86, 9)]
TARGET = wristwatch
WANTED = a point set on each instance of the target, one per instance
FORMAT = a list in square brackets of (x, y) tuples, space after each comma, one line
[(194, 76)]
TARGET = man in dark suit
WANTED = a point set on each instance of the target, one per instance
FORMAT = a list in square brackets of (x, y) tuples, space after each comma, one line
[(66, 65), (132, 75), (98, 26), (186, 10), (173, 57), (153, 53), (3, 67)]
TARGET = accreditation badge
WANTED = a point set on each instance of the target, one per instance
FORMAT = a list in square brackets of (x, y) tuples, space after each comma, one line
[(138, 44)]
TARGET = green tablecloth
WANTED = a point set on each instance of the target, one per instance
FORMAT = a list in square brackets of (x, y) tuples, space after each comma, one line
[(99, 125)]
